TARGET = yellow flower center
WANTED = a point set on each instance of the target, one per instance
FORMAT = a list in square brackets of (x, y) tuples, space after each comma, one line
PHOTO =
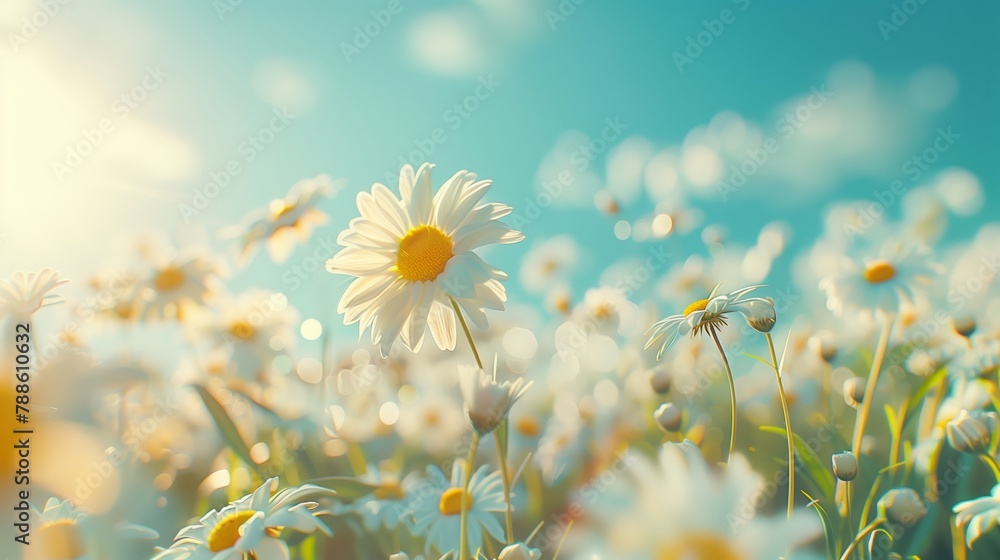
[(423, 254), (61, 540), (390, 490), (699, 305), (879, 271), (169, 278), (278, 208), (451, 501), (698, 546), (242, 330), (603, 311), (227, 531), (528, 426)]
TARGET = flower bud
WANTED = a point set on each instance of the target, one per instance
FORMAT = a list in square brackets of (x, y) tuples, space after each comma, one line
[(668, 417), (972, 432), (519, 551), (824, 344), (845, 466), (854, 391), (902, 505), (759, 313), (661, 380), (964, 324)]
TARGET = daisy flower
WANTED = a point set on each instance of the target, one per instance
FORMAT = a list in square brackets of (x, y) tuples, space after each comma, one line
[(60, 535), (981, 515), (709, 314), (27, 292), (388, 505), (414, 261), (488, 402), (883, 283), (437, 508), (176, 283), (286, 221), (250, 525), (547, 262)]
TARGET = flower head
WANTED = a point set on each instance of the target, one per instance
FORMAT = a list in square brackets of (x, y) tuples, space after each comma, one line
[(27, 292), (881, 284), (902, 505), (519, 551), (60, 534), (488, 402), (437, 507), (413, 258), (710, 314), (980, 514), (250, 525), (973, 432)]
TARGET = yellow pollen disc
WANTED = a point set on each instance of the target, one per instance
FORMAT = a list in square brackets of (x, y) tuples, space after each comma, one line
[(227, 531), (61, 540), (169, 278), (699, 305), (528, 426), (879, 271), (603, 311), (699, 546), (390, 491), (242, 330), (423, 254), (451, 501)]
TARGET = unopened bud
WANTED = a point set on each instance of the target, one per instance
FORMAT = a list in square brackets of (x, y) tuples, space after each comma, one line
[(854, 391), (845, 466), (973, 432), (964, 324), (519, 551), (661, 380), (668, 417), (902, 505)]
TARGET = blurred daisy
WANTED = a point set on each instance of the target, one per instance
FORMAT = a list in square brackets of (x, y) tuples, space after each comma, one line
[(176, 283), (488, 402), (249, 526), (413, 259), (61, 535), (981, 360), (607, 311), (880, 284), (980, 514), (681, 508), (251, 329), (27, 292), (286, 222), (388, 505), (548, 262), (709, 314), (437, 508)]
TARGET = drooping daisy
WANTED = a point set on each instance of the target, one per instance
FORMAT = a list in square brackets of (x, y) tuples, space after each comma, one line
[(437, 508), (981, 515), (285, 222), (176, 282), (709, 314), (27, 292), (251, 525), (488, 402), (413, 258), (883, 283)]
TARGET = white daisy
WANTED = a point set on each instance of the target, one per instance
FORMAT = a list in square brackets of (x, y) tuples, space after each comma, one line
[(176, 282), (710, 314), (285, 222), (388, 505), (883, 283), (251, 525), (437, 508), (981, 515), (548, 262), (27, 292), (413, 259), (488, 402), (60, 534)]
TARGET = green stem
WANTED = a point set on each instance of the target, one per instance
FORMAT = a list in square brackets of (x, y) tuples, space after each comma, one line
[(788, 425), (864, 533), (866, 406), (468, 334), (463, 547), (505, 476), (989, 460), (732, 394)]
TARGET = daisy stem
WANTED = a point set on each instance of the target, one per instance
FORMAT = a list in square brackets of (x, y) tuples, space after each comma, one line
[(468, 333), (989, 460), (732, 393), (866, 405), (505, 476), (861, 536), (463, 547), (788, 425)]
